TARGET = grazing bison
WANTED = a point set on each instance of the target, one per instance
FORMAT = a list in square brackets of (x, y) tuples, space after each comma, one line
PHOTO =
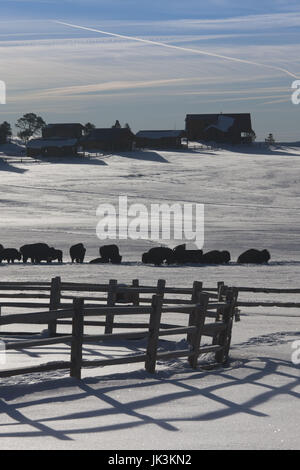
[(110, 253), (77, 253), (158, 256), (10, 255), (254, 257), (182, 255), (216, 257), (125, 297), (99, 261), (38, 252), (56, 255)]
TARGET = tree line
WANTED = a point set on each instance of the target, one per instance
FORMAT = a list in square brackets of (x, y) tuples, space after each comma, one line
[(31, 125)]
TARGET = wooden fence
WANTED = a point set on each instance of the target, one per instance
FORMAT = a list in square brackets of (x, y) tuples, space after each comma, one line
[(57, 294), (221, 312)]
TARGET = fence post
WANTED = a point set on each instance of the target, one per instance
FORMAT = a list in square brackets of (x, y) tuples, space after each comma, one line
[(196, 292), (154, 324), (222, 290), (160, 290), (55, 296), (111, 300), (220, 294), (198, 321), (225, 335), (136, 297), (77, 338)]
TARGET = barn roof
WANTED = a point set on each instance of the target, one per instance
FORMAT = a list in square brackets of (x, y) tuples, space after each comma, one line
[(160, 134), (241, 120), (67, 124), (107, 134), (223, 124), (43, 143)]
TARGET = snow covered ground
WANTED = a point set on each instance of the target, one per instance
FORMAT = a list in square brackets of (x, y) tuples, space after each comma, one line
[(252, 199)]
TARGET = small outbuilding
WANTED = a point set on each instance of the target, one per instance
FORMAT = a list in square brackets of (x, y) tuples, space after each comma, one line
[(160, 139), (52, 148)]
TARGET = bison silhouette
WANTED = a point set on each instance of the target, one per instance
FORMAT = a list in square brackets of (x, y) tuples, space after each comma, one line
[(10, 255), (254, 256), (158, 256), (77, 253), (110, 253)]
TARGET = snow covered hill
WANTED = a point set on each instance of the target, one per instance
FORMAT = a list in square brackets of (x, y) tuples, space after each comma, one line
[(252, 199)]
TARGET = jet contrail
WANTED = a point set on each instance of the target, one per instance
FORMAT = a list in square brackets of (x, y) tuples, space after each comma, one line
[(186, 49)]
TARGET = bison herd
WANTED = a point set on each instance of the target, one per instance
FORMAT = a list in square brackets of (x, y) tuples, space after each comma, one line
[(38, 252), (180, 255)]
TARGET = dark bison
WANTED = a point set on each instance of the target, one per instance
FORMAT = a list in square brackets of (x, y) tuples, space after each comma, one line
[(125, 297), (38, 252), (10, 255), (158, 256), (183, 256), (99, 261), (110, 253), (56, 255), (254, 257), (216, 257), (77, 253)]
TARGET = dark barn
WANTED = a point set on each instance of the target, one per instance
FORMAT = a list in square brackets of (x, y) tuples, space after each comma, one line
[(110, 139), (221, 128), (63, 131), (159, 139), (58, 140), (52, 148)]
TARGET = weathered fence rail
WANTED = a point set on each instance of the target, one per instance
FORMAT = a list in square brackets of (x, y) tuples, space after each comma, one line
[(196, 313), (58, 294)]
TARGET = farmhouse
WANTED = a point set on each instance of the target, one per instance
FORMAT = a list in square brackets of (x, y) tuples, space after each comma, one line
[(108, 139), (222, 128), (159, 139)]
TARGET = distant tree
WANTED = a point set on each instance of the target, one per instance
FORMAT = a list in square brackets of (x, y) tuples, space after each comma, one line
[(117, 125), (5, 132), (88, 127), (30, 125), (270, 140), (252, 136)]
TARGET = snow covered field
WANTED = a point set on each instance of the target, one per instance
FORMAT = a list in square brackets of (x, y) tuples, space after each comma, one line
[(252, 200)]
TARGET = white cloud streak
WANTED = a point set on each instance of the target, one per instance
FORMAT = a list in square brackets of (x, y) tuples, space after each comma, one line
[(185, 49)]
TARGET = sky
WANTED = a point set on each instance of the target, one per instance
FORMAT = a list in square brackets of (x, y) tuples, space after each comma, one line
[(66, 74)]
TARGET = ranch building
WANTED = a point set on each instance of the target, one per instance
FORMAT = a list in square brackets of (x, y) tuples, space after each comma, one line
[(109, 140), (160, 139), (221, 128)]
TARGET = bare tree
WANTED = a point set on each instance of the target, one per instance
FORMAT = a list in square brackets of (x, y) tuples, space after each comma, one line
[(30, 125)]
